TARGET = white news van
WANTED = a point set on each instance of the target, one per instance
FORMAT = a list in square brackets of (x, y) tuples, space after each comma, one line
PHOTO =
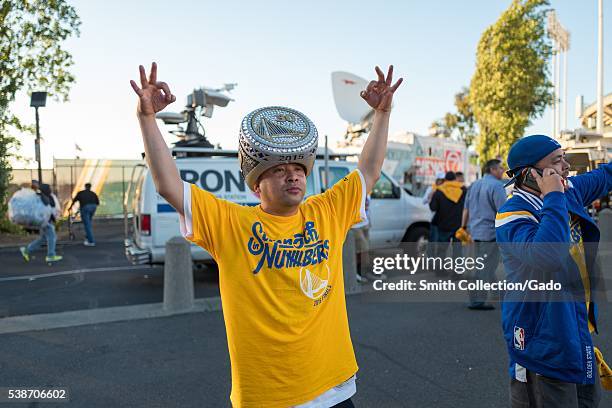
[(150, 221)]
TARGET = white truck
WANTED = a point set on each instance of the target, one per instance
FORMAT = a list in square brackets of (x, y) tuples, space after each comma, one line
[(150, 221)]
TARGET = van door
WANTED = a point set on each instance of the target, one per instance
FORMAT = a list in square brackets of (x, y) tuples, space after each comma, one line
[(137, 204), (165, 224), (129, 209), (386, 213)]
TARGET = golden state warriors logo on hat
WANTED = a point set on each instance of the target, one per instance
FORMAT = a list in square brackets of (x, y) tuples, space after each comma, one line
[(279, 126)]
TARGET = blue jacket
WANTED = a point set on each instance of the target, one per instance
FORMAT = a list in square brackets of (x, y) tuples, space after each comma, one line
[(551, 338)]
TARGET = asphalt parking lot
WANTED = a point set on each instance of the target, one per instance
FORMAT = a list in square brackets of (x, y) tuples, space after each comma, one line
[(87, 277), (410, 354)]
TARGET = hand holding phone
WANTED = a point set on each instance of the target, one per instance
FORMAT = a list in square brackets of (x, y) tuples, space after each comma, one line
[(529, 180), (543, 181)]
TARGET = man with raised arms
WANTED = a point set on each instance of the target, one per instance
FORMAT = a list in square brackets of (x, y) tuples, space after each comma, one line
[(280, 263)]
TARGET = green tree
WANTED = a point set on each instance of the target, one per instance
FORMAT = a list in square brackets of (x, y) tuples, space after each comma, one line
[(31, 57), (510, 86), (461, 123), (438, 128)]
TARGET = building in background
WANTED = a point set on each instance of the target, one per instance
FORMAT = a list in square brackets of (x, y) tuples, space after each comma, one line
[(413, 160), (584, 147)]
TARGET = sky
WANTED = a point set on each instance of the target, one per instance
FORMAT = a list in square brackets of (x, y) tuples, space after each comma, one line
[(282, 53)]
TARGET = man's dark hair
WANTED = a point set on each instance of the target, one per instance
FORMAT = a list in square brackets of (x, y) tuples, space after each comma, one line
[(459, 174), (450, 176), (87, 186), (490, 165)]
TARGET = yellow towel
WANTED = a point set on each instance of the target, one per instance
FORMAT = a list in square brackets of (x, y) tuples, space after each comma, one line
[(452, 190), (463, 236), (605, 373)]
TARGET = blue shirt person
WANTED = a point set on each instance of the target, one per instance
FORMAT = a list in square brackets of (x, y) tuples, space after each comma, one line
[(484, 198)]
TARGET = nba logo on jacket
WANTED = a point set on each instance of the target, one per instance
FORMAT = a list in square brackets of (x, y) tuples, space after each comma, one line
[(519, 338)]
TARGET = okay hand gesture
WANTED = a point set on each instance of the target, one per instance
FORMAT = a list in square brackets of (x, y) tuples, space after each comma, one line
[(152, 99), (379, 94)]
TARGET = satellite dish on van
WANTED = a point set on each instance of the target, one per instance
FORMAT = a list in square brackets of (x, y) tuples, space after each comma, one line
[(350, 105)]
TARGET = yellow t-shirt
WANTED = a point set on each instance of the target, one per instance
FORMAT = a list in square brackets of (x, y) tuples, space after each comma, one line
[(282, 291), (577, 253)]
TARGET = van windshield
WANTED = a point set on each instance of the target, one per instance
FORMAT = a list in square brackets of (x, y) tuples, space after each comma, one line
[(335, 174)]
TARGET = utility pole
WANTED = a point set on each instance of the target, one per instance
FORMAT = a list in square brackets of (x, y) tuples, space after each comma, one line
[(38, 100), (565, 100), (561, 43), (554, 101), (600, 72), (37, 146)]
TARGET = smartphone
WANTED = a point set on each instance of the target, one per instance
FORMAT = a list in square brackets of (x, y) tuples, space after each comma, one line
[(529, 180)]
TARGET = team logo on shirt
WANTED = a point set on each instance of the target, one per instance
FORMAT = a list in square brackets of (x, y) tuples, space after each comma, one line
[(575, 231), (519, 338), (314, 282), (305, 250)]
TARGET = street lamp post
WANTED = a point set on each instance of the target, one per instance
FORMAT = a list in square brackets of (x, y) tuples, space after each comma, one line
[(38, 99), (561, 45), (600, 72)]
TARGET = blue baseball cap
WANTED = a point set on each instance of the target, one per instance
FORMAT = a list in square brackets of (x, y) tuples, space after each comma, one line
[(527, 151)]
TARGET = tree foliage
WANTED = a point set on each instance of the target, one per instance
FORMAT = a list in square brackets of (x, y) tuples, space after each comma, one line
[(459, 124), (511, 86), (31, 57), (438, 128)]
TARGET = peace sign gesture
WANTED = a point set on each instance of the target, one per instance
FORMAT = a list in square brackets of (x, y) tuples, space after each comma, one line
[(152, 100), (379, 94)]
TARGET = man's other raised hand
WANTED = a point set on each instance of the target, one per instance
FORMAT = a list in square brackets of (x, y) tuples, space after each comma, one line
[(153, 96)]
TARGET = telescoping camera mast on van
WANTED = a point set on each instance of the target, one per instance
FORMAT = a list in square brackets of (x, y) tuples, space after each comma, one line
[(190, 131)]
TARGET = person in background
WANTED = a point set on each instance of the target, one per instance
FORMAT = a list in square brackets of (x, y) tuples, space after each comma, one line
[(35, 186), (432, 188), (484, 198), (460, 177), (433, 228), (47, 231), (88, 203), (447, 203)]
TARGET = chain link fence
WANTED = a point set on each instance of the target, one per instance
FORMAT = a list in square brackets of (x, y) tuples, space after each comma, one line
[(109, 180)]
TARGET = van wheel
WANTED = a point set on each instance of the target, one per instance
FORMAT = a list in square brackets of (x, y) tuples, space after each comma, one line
[(419, 236)]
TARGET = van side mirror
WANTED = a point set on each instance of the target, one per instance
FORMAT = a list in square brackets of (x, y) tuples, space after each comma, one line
[(396, 191)]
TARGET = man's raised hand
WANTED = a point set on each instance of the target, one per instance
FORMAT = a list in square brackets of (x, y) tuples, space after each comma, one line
[(379, 94), (153, 96)]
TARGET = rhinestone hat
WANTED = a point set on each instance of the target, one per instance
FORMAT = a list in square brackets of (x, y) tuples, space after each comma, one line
[(275, 135)]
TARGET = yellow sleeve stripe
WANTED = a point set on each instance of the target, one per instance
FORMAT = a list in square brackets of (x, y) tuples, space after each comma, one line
[(500, 216), (506, 217)]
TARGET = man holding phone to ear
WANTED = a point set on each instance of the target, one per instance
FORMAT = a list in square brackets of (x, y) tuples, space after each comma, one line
[(543, 227)]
